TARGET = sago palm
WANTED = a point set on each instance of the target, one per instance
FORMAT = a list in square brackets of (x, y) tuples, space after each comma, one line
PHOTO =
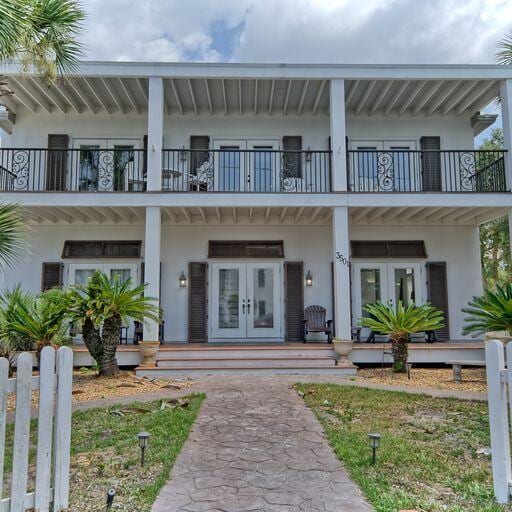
[(38, 319), (107, 303), (399, 323), (12, 239), (492, 311), (42, 33)]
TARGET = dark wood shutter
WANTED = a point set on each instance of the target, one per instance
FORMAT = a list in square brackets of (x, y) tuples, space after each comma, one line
[(57, 162), (294, 300), (145, 156), (437, 285), (52, 275), (431, 164), (197, 302), (292, 161)]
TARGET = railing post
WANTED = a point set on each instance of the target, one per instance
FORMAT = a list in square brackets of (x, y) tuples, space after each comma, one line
[(498, 420)]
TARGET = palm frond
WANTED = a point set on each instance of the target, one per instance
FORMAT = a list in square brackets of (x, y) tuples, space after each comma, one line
[(12, 239), (401, 320), (504, 53)]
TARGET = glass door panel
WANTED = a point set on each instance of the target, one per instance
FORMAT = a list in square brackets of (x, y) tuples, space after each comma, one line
[(229, 165), (263, 163), (229, 301), (405, 283), (263, 300)]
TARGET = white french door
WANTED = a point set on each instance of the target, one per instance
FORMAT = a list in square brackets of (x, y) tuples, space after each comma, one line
[(230, 172), (263, 166), (246, 300), (378, 281)]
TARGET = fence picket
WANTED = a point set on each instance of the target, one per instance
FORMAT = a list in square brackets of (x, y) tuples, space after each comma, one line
[(45, 429), (4, 379), (62, 430), (21, 432), (498, 419)]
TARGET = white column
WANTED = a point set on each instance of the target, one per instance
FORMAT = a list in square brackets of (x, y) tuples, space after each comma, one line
[(152, 265), (338, 135), (506, 113), (155, 132), (341, 252)]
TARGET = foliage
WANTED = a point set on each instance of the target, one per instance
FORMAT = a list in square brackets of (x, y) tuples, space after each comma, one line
[(12, 240), (492, 311), (430, 456), (102, 306), (494, 235), (399, 323), (504, 54), (42, 33), (36, 320)]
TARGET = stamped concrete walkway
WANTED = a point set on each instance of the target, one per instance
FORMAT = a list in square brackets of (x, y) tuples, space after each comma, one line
[(256, 447)]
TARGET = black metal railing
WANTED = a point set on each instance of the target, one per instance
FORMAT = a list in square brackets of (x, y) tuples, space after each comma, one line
[(234, 170), (426, 171), (87, 169)]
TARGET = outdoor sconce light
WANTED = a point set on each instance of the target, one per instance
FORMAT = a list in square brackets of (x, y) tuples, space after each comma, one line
[(143, 438), (309, 278), (183, 154), (374, 439), (111, 494), (183, 280)]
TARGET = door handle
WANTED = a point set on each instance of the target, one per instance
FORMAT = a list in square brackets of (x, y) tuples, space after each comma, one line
[(243, 306), (248, 306)]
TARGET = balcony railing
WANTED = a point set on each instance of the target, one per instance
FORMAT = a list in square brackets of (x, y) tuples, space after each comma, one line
[(73, 170), (426, 171), (234, 170)]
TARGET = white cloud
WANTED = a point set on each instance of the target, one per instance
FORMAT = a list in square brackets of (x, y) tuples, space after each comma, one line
[(368, 31)]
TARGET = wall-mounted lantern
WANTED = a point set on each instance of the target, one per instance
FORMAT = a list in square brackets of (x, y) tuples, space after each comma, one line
[(183, 154), (307, 156), (309, 278), (183, 280)]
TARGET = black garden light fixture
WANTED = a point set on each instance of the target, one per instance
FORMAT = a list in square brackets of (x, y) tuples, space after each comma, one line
[(143, 438), (309, 278), (374, 438), (111, 494), (183, 280)]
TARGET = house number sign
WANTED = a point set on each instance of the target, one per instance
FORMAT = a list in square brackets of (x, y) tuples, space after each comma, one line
[(342, 259)]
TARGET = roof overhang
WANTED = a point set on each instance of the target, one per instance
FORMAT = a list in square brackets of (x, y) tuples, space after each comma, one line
[(480, 122)]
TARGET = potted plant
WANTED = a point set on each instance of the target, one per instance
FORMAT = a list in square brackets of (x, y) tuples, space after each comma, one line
[(399, 323), (490, 314)]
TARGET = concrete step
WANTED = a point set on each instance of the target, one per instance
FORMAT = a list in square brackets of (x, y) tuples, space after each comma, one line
[(228, 361), (162, 372), (205, 351)]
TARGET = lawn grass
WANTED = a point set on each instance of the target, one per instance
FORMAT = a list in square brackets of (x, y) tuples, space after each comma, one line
[(429, 457), (105, 452)]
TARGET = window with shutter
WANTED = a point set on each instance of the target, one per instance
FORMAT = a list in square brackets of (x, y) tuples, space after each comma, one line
[(51, 276), (294, 300), (197, 302), (292, 161), (245, 249), (57, 162), (437, 284), (431, 164)]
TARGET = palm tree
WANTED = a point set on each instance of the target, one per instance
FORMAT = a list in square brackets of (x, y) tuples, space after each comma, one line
[(102, 306), (12, 241), (399, 323), (504, 54), (492, 311), (34, 320), (42, 33)]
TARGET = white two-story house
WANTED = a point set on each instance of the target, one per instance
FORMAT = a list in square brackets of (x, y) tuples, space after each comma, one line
[(244, 193)]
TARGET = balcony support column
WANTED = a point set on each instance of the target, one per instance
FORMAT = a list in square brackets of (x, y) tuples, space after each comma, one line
[(155, 133), (152, 243), (338, 135), (506, 113), (341, 256)]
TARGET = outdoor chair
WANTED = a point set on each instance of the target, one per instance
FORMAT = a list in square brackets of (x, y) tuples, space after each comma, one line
[(315, 321)]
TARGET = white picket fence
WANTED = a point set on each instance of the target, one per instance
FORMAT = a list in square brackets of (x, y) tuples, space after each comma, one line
[(54, 383)]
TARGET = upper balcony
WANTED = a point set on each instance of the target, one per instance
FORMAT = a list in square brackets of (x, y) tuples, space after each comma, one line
[(264, 170)]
